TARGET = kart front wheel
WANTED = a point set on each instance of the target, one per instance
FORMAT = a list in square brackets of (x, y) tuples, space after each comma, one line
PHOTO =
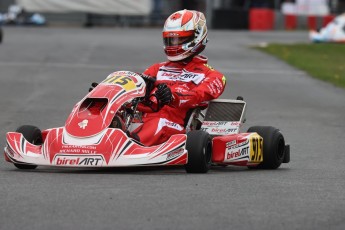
[(33, 135), (273, 147), (199, 147)]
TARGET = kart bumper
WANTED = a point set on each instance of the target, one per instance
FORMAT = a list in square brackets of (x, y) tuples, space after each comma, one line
[(123, 153)]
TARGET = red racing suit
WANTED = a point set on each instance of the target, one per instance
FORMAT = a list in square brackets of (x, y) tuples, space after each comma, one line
[(191, 84)]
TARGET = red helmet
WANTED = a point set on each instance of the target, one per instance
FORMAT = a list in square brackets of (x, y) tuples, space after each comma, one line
[(184, 34)]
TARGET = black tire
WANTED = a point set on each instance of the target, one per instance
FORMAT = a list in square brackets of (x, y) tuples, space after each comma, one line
[(273, 147), (33, 135), (199, 146)]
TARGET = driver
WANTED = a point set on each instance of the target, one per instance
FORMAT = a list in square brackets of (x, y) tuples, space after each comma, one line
[(183, 82)]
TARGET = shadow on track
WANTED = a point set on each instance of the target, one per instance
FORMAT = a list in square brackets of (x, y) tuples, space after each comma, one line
[(149, 170)]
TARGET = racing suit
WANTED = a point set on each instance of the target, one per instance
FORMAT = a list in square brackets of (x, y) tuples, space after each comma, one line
[(191, 84)]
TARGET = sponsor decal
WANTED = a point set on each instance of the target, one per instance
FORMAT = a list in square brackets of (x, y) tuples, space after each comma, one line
[(220, 127), (230, 143), (79, 146), (238, 153), (214, 123), (239, 145), (83, 149), (216, 86), (219, 85), (219, 130), (83, 124), (188, 76), (168, 74), (182, 89), (174, 154), (121, 73), (166, 123), (184, 76), (78, 160), (172, 34), (211, 89), (173, 125), (223, 130)]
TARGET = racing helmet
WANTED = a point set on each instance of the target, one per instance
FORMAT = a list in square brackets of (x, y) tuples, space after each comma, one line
[(184, 34)]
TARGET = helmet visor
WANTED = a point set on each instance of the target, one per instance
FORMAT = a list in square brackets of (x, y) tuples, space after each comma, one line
[(176, 41), (177, 38)]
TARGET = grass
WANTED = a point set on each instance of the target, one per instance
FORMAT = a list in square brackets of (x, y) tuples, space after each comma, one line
[(323, 61)]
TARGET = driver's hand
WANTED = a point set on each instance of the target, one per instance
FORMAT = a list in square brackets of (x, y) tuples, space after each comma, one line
[(163, 94)]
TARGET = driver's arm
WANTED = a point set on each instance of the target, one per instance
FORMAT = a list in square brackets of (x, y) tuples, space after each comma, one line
[(150, 107), (210, 88)]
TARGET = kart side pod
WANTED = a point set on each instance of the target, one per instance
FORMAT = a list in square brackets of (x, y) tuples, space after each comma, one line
[(261, 147)]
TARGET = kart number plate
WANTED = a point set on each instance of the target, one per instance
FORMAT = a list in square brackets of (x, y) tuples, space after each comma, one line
[(256, 148), (124, 81)]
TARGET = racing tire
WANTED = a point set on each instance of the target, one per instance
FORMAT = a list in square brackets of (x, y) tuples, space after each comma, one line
[(33, 135), (199, 147), (273, 147)]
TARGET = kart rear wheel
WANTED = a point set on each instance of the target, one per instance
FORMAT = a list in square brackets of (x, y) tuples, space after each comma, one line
[(273, 147), (33, 135), (1, 35), (199, 146)]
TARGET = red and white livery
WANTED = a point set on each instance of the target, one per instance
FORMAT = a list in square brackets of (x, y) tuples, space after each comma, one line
[(87, 139), (97, 133)]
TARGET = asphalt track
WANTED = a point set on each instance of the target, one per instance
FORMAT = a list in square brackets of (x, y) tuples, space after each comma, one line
[(44, 72)]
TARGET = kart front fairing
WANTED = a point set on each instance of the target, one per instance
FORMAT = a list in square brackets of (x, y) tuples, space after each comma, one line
[(95, 112), (87, 139)]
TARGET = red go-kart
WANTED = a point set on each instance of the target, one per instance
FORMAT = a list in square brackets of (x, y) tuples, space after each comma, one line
[(96, 134)]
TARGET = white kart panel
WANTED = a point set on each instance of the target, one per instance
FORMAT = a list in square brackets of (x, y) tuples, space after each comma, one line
[(224, 117)]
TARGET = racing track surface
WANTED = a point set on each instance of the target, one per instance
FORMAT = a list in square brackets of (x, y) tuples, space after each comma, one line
[(44, 72)]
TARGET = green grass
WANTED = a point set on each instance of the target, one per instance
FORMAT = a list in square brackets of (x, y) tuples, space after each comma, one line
[(322, 61)]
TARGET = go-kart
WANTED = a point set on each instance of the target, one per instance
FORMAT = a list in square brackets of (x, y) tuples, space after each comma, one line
[(97, 134)]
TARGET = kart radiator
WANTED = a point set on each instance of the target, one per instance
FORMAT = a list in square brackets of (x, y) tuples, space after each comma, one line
[(225, 110)]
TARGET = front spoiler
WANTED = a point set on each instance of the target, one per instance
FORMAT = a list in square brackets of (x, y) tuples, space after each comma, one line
[(120, 153)]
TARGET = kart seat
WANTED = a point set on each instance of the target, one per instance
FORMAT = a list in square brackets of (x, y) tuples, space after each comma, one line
[(193, 114)]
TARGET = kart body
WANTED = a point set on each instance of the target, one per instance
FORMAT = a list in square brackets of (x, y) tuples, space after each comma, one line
[(96, 134)]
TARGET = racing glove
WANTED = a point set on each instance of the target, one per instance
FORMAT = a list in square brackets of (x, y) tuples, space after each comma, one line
[(93, 85), (163, 94)]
